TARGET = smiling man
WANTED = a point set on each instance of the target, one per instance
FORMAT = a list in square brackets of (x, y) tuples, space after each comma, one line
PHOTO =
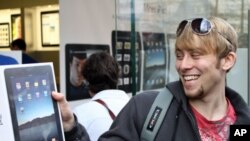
[(203, 107)]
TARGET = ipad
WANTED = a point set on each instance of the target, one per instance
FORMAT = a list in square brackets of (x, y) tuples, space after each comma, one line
[(75, 57), (155, 60), (122, 49), (35, 115)]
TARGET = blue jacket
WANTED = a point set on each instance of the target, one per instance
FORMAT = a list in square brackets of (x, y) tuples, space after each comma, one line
[(6, 60)]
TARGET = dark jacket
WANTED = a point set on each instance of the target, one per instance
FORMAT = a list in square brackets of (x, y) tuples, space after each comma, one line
[(179, 123), (26, 59)]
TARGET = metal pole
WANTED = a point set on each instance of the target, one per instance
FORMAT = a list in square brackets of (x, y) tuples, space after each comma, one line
[(133, 39)]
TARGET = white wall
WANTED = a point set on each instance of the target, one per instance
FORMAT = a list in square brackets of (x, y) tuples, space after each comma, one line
[(84, 21)]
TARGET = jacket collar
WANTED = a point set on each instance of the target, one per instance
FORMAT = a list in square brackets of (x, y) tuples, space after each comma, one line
[(240, 106)]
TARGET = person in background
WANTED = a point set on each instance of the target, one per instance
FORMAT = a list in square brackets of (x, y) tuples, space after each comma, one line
[(78, 86), (6, 60), (101, 71), (20, 44), (202, 108)]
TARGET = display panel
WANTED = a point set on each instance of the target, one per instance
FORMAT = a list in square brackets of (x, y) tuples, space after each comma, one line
[(76, 55), (155, 65), (16, 27), (121, 45), (35, 115), (172, 73), (4, 35), (50, 28)]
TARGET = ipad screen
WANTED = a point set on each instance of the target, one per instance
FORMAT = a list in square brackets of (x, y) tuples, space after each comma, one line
[(75, 57)]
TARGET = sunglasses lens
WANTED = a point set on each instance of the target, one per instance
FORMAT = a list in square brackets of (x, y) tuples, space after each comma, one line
[(181, 27), (201, 26)]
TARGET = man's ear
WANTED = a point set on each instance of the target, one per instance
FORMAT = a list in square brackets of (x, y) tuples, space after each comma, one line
[(229, 61)]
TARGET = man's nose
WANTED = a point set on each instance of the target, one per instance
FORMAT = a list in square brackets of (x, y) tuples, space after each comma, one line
[(186, 63)]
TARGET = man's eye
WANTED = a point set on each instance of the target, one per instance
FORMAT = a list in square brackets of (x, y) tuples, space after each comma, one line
[(195, 54), (179, 56)]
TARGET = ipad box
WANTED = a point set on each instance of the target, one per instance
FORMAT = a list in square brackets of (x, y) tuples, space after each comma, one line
[(27, 109)]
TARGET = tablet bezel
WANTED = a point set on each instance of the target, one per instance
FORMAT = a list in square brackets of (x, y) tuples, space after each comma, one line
[(26, 70)]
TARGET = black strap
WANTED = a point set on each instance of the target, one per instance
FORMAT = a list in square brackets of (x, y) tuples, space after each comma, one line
[(112, 115), (156, 115)]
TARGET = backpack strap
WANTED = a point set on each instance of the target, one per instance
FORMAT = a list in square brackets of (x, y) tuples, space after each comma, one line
[(112, 115), (156, 115)]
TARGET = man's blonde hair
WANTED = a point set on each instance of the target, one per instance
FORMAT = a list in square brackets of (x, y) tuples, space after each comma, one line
[(220, 40)]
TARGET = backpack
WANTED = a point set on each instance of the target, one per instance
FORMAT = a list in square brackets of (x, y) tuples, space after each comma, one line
[(156, 115)]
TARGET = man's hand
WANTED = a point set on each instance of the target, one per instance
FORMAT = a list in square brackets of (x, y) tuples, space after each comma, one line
[(66, 113)]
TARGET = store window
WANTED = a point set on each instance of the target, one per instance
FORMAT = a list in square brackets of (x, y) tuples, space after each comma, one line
[(150, 29)]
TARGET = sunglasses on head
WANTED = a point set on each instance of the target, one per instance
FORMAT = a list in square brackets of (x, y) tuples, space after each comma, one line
[(200, 26)]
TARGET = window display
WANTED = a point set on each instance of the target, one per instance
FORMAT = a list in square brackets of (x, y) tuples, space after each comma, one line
[(122, 51), (16, 26), (50, 28), (155, 59), (76, 54), (4, 35)]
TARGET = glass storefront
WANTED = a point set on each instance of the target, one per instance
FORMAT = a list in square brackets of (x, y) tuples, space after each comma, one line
[(144, 39)]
